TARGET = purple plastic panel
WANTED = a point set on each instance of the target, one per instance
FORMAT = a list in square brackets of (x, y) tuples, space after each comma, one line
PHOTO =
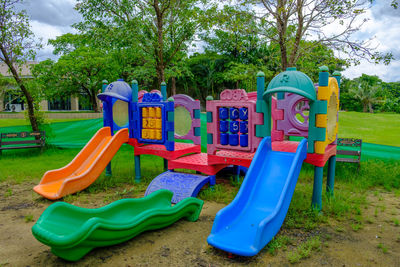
[(183, 185), (293, 105), (190, 104)]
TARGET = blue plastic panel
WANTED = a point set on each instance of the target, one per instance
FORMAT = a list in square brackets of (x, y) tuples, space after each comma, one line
[(183, 185), (223, 126), (243, 114), (224, 139), (244, 140), (234, 126), (244, 127), (234, 113), (223, 113), (234, 139)]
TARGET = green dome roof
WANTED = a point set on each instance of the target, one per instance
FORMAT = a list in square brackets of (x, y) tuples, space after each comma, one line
[(292, 81)]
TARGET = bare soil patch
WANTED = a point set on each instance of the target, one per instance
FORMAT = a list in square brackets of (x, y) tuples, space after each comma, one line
[(376, 243)]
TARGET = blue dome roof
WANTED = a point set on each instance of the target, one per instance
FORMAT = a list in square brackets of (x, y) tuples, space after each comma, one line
[(119, 89)]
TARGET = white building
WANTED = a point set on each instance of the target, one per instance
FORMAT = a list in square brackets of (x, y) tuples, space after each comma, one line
[(11, 100)]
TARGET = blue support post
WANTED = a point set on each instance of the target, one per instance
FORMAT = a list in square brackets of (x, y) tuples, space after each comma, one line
[(106, 122), (137, 169), (330, 182), (213, 181), (237, 174), (317, 188), (260, 85)]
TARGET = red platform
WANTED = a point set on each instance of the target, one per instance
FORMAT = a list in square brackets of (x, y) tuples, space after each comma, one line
[(231, 158), (318, 160), (197, 162), (160, 150), (244, 159)]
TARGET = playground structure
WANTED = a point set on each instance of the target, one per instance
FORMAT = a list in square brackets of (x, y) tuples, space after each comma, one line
[(243, 129)]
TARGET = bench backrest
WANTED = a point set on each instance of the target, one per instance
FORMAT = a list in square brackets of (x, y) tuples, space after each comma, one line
[(23, 138), (349, 142)]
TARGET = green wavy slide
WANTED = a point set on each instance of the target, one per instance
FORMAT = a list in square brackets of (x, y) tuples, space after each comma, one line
[(72, 232)]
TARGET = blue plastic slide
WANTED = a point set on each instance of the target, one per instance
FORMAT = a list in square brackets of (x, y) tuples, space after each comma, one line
[(256, 214)]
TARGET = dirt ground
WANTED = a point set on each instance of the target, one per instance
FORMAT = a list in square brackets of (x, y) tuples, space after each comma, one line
[(184, 243)]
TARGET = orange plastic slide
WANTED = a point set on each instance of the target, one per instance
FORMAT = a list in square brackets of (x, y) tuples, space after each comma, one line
[(85, 168)]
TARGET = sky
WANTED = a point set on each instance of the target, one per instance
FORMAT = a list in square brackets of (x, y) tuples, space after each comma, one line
[(52, 18)]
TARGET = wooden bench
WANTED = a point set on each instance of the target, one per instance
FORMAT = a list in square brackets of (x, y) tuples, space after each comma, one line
[(355, 155), (25, 140)]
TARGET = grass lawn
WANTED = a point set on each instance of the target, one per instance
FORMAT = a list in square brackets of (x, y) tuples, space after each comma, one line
[(20, 122), (377, 128)]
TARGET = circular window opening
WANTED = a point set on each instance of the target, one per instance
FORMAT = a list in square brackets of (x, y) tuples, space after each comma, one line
[(332, 117), (302, 110), (183, 121), (121, 113)]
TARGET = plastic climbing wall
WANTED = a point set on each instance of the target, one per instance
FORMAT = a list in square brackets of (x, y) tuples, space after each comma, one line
[(154, 121), (231, 122)]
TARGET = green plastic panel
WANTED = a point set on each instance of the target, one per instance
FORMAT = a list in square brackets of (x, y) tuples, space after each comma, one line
[(263, 130), (72, 232), (209, 116), (171, 116), (209, 138), (171, 136), (196, 113), (197, 131)]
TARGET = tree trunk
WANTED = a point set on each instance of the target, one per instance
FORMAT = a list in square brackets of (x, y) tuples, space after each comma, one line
[(371, 110), (29, 98), (299, 35), (173, 86), (282, 46), (365, 107), (281, 23), (160, 43), (93, 101)]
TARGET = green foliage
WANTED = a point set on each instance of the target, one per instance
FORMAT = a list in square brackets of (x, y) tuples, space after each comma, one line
[(278, 242), (383, 248), (28, 218), (369, 93), (160, 30), (304, 250)]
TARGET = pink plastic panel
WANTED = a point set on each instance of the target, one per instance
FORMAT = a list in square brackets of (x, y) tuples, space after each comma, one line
[(190, 105), (276, 115), (233, 99), (142, 92)]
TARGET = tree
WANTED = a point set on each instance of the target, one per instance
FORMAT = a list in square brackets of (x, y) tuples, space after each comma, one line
[(366, 91), (289, 22), (79, 71), (16, 46), (160, 28)]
